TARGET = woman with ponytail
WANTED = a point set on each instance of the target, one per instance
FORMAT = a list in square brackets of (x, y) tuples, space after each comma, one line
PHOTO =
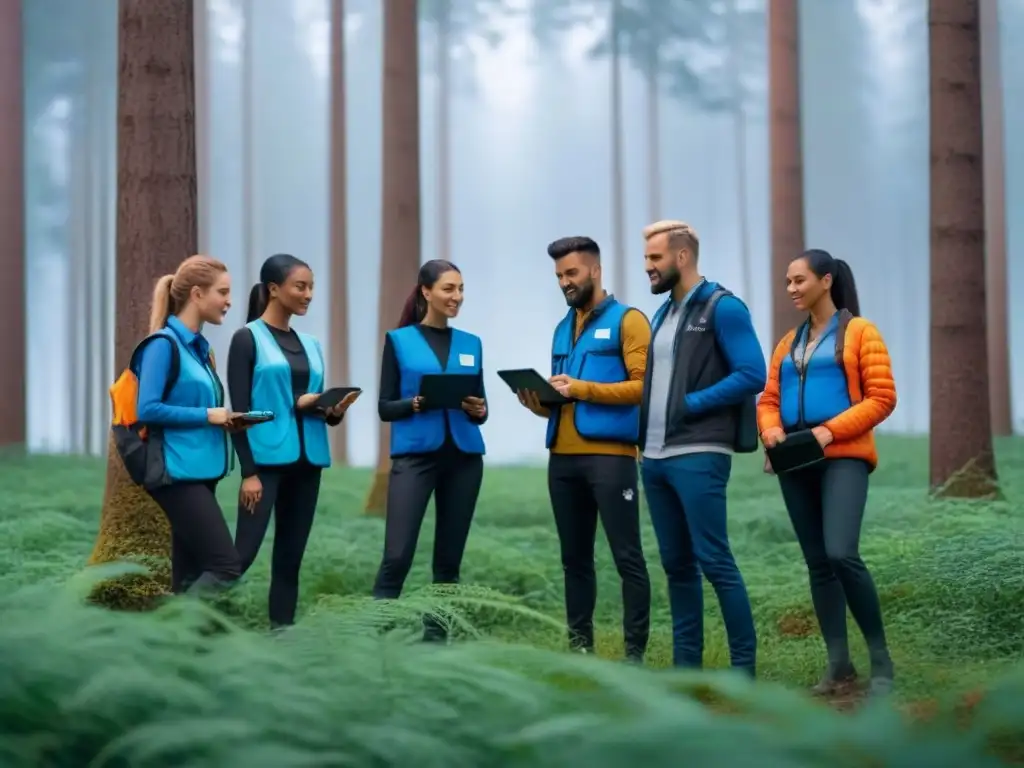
[(273, 367), (181, 402), (434, 452), (832, 376)]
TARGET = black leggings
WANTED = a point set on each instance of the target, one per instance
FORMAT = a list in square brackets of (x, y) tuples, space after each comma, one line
[(202, 554), (291, 492), (454, 479), (826, 506)]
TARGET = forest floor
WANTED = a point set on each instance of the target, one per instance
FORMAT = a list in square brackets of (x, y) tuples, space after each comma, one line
[(950, 573)]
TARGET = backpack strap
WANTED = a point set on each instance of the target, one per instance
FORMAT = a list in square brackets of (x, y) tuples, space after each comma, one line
[(175, 370)]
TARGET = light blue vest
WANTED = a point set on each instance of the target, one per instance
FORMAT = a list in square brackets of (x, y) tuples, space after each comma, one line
[(200, 453), (424, 432), (596, 356), (276, 442)]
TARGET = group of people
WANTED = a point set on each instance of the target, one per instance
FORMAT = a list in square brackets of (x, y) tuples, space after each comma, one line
[(665, 402)]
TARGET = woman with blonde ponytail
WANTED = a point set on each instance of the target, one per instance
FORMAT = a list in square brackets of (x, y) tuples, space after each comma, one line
[(181, 402)]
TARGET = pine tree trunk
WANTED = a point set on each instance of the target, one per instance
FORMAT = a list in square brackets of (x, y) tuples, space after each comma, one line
[(962, 460), (444, 131), (339, 226), (400, 212), (13, 407), (738, 111), (995, 222), (653, 83), (786, 156), (618, 181), (156, 230)]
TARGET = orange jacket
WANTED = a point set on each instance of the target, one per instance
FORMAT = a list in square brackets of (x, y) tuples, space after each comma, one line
[(870, 382)]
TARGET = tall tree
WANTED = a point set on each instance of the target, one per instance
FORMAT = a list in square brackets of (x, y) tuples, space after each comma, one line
[(962, 459), (995, 221), (786, 165), (12, 224), (339, 223), (400, 203), (156, 230)]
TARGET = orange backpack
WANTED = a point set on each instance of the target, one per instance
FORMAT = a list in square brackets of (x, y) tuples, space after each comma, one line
[(140, 446)]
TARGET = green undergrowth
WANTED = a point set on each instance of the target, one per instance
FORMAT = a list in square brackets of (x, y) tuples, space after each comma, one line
[(950, 575), (183, 686)]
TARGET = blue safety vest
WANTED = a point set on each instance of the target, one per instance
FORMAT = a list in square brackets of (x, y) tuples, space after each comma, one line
[(199, 453), (424, 432), (596, 356), (276, 442)]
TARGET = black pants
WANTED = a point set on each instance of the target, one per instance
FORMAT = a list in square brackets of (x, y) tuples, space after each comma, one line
[(454, 479), (581, 489), (291, 492), (202, 554), (826, 506)]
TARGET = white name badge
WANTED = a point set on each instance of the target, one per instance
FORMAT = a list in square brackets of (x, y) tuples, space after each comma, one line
[(467, 360), (603, 333)]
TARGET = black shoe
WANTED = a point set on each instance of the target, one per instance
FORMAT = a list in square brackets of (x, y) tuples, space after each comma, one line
[(836, 678)]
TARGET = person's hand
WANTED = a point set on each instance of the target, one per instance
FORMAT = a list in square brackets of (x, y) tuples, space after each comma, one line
[(772, 437), (337, 411), (218, 417), (563, 384), (251, 493), (768, 468), (530, 400), (417, 404), (475, 407), (822, 435), (306, 401)]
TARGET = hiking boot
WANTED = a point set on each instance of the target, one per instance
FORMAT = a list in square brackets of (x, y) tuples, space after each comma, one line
[(882, 674), (836, 678)]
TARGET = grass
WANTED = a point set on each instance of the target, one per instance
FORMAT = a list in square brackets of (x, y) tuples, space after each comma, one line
[(162, 690)]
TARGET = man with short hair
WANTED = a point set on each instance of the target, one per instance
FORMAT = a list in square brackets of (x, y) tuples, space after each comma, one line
[(704, 371), (598, 357)]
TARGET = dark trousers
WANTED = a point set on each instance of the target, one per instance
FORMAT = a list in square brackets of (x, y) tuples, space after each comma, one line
[(583, 488), (454, 479), (826, 505), (291, 492), (686, 497), (202, 553)]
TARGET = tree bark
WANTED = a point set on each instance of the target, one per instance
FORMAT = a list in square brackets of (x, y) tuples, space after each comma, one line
[(786, 165), (995, 221), (653, 83), (619, 279), (400, 209), (156, 230), (444, 131), (13, 406), (962, 460), (739, 117), (339, 224)]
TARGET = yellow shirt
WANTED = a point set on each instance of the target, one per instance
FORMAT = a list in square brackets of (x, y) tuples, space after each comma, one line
[(636, 337)]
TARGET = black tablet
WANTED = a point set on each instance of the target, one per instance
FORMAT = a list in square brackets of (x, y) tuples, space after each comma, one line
[(798, 450), (333, 396), (529, 380), (256, 417), (448, 390)]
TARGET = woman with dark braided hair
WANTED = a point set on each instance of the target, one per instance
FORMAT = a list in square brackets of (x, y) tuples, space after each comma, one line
[(435, 452)]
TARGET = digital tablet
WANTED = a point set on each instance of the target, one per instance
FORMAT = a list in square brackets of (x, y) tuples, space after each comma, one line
[(334, 396), (448, 390), (256, 417), (529, 380), (798, 450)]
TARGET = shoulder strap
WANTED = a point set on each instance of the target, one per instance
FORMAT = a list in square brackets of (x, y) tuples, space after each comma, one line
[(175, 370)]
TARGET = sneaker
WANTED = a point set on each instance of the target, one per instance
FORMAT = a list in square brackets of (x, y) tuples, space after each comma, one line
[(879, 687)]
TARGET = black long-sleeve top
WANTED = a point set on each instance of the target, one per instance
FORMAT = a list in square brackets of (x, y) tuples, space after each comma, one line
[(391, 406), (241, 362)]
